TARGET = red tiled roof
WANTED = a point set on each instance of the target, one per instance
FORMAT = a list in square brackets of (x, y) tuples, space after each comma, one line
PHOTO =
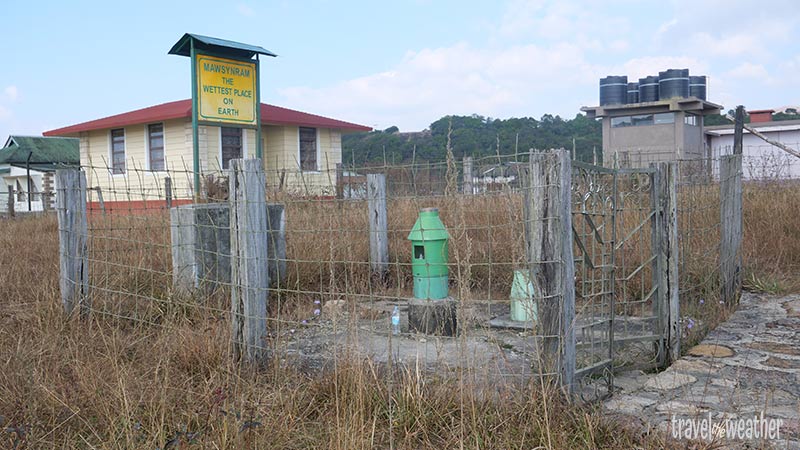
[(270, 115)]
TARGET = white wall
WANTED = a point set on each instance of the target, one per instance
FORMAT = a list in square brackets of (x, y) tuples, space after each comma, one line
[(18, 174), (761, 160)]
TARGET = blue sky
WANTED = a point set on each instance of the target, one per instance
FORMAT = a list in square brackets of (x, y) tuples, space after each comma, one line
[(404, 63)]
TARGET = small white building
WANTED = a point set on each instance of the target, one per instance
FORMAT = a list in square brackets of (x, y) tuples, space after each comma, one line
[(27, 167), (760, 160)]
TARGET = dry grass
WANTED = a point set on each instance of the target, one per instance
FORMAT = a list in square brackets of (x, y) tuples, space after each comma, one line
[(771, 247), (327, 241), (170, 383), (164, 373)]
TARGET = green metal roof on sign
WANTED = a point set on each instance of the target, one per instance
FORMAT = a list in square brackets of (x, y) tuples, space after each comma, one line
[(183, 47), (46, 153)]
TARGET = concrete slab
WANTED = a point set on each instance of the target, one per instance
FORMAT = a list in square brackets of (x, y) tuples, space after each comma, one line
[(505, 322)]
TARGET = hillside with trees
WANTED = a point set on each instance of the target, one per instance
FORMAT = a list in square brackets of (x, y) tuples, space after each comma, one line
[(479, 136), (475, 136)]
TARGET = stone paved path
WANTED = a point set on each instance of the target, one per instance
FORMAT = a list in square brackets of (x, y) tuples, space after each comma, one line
[(748, 365)]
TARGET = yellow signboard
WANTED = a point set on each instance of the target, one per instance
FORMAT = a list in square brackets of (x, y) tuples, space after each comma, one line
[(226, 90)]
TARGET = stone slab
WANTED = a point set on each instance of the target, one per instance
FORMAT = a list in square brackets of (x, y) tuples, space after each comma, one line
[(669, 380), (749, 365), (629, 404)]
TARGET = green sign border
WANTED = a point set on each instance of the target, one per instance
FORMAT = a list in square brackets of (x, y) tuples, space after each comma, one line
[(251, 64), (193, 55)]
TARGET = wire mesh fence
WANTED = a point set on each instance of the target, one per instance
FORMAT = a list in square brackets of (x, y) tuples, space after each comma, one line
[(151, 267), (284, 266), (762, 161)]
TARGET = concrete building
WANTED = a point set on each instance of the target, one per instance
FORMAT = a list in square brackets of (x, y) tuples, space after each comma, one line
[(638, 134), (128, 155), (27, 167), (760, 160)]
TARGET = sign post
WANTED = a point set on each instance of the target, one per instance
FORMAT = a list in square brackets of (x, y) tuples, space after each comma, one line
[(225, 88)]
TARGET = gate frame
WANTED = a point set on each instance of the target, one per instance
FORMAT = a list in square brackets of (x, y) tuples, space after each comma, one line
[(664, 251), (606, 365)]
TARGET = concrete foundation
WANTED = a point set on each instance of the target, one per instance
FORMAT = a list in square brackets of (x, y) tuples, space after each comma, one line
[(201, 246), (276, 249), (436, 317)]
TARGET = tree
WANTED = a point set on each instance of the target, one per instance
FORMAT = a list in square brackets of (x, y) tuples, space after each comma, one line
[(715, 119), (475, 136)]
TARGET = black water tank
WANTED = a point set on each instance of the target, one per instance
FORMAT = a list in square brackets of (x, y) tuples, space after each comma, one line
[(613, 90), (648, 89), (698, 86), (673, 83), (633, 93)]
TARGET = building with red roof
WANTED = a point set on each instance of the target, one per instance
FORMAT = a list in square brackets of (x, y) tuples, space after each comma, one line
[(131, 153)]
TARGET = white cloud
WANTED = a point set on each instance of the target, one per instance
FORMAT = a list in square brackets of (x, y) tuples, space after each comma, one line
[(521, 16), (619, 45), (245, 10), (728, 45), (749, 70), (11, 92), (588, 25), (729, 29), (5, 113), (650, 65), (545, 56), (665, 27), (461, 79)]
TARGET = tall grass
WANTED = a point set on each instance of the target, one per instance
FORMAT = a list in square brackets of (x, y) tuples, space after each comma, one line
[(170, 383), (151, 369)]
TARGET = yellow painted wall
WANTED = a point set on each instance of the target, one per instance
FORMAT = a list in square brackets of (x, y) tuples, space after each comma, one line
[(138, 182), (282, 154), (281, 147)]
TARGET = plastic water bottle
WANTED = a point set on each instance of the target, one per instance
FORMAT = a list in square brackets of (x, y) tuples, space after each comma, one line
[(395, 321)]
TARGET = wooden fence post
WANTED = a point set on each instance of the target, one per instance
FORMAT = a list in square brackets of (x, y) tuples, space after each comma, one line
[(467, 188), (657, 266), (276, 217), (72, 240), (730, 192), (664, 240), (738, 130), (548, 217), (378, 224), (47, 191), (11, 201), (168, 191), (339, 181), (249, 256), (100, 199)]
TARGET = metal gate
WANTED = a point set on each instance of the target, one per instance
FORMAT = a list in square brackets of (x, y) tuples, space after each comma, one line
[(617, 307)]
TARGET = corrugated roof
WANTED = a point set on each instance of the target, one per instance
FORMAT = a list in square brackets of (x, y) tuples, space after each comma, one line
[(763, 127), (183, 46), (43, 151), (270, 115), (760, 129)]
